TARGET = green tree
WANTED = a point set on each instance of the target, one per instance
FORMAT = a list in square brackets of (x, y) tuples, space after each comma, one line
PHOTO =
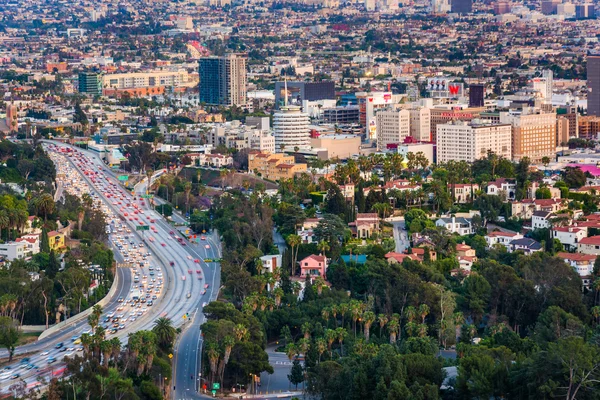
[(296, 375), (9, 335)]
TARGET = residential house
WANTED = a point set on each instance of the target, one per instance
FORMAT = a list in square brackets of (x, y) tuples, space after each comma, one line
[(527, 245), (32, 243), (29, 225), (466, 256), (420, 253), (569, 236), (394, 257), (13, 250), (463, 192), (503, 238), (505, 188), (525, 208), (270, 264), (313, 266), (541, 220), (589, 245), (348, 191), (365, 225), (461, 225), (583, 264), (56, 240)]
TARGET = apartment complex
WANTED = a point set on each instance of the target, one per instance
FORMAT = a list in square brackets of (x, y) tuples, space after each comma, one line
[(464, 141), (143, 80), (420, 123), (290, 126), (223, 80), (392, 127), (445, 115), (533, 134), (274, 166), (90, 83)]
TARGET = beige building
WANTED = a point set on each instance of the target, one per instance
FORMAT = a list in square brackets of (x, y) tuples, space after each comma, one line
[(464, 141), (562, 130), (392, 127), (340, 146), (133, 80), (420, 124), (589, 127), (445, 115), (533, 134), (274, 166)]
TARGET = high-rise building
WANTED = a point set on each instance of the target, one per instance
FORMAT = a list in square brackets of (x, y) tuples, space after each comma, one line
[(476, 95), (392, 127), (90, 83), (297, 92), (462, 6), (501, 7), (420, 123), (223, 80), (290, 126), (593, 83), (470, 141), (550, 6), (533, 133), (585, 11)]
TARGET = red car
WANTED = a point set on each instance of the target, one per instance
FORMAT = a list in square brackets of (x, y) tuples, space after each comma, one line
[(198, 271), (206, 286), (163, 245), (197, 261), (189, 271), (171, 233), (171, 263)]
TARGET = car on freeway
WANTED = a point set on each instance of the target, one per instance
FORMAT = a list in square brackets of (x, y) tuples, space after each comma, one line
[(197, 261), (44, 353), (206, 246), (58, 345), (206, 286), (163, 245), (202, 237), (183, 277), (189, 271), (198, 271), (51, 360)]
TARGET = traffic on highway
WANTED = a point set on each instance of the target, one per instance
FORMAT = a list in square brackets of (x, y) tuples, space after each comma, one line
[(159, 273)]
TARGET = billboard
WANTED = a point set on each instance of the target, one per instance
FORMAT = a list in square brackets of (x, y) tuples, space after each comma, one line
[(444, 87)]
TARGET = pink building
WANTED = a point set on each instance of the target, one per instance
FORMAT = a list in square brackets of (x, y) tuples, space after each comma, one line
[(313, 266)]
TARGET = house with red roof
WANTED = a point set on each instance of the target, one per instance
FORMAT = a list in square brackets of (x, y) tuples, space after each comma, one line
[(569, 236), (364, 225), (589, 245), (463, 192), (505, 188), (583, 264), (500, 237)]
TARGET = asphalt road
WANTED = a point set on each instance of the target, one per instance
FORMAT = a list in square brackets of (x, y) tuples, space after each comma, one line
[(180, 281), (400, 235)]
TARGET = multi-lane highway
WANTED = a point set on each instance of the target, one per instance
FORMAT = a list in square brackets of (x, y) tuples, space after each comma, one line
[(185, 281)]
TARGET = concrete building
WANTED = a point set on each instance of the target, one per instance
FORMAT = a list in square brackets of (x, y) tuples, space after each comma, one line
[(593, 84), (13, 250), (291, 128), (392, 127), (589, 126), (585, 11), (341, 115), (338, 146), (471, 141), (274, 166), (443, 115), (533, 133), (543, 85), (223, 80), (588, 245), (420, 123)]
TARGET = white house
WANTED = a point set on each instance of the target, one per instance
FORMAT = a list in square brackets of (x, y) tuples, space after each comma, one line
[(569, 236), (461, 225), (503, 187), (32, 243), (583, 264), (269, 264), (503, 238), (541, 220)]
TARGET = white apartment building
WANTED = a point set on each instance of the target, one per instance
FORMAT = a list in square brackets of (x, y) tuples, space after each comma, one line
[(420, 123), (132, 80), (262, 141), (469, 141), (13, 250), (290, 126), (392, 127)]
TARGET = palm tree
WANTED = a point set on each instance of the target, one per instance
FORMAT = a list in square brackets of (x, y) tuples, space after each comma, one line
[(323, 246), (278, 293), (596, 313), (341, 334), (383, 320), (355, 311), (86, 341), (106, 350), (422, 330), (294, 242), (343, 309), (44, 204), (165, 332), (303, 345), (4, 222), (423, 312), (458, 319), (330, 337), (291, 350), (97, 310), (306, 328), (116, 347), (213, 358), (368, 318), (93, 321), (319, 284), (393, 327), (320, 346), (334, 312), (240, 332), (228, 343), (411, 313)]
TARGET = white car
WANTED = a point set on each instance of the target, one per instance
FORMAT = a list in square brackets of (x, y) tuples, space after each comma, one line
[(44, 353)]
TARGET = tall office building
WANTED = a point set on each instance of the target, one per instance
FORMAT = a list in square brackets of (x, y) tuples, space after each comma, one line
[(462, 6), (90, 83), (290, 128), (223, 80), (593, 83), (470, 141), (476, 95), (533, 133), (392, 127), (585, 11), (297, 92)]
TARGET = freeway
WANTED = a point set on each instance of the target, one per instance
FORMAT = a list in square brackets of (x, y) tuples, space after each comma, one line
[(184, 291)]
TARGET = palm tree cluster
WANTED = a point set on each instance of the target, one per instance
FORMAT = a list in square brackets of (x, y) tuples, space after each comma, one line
[(141, 349), (219, 353), (96, 346)]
